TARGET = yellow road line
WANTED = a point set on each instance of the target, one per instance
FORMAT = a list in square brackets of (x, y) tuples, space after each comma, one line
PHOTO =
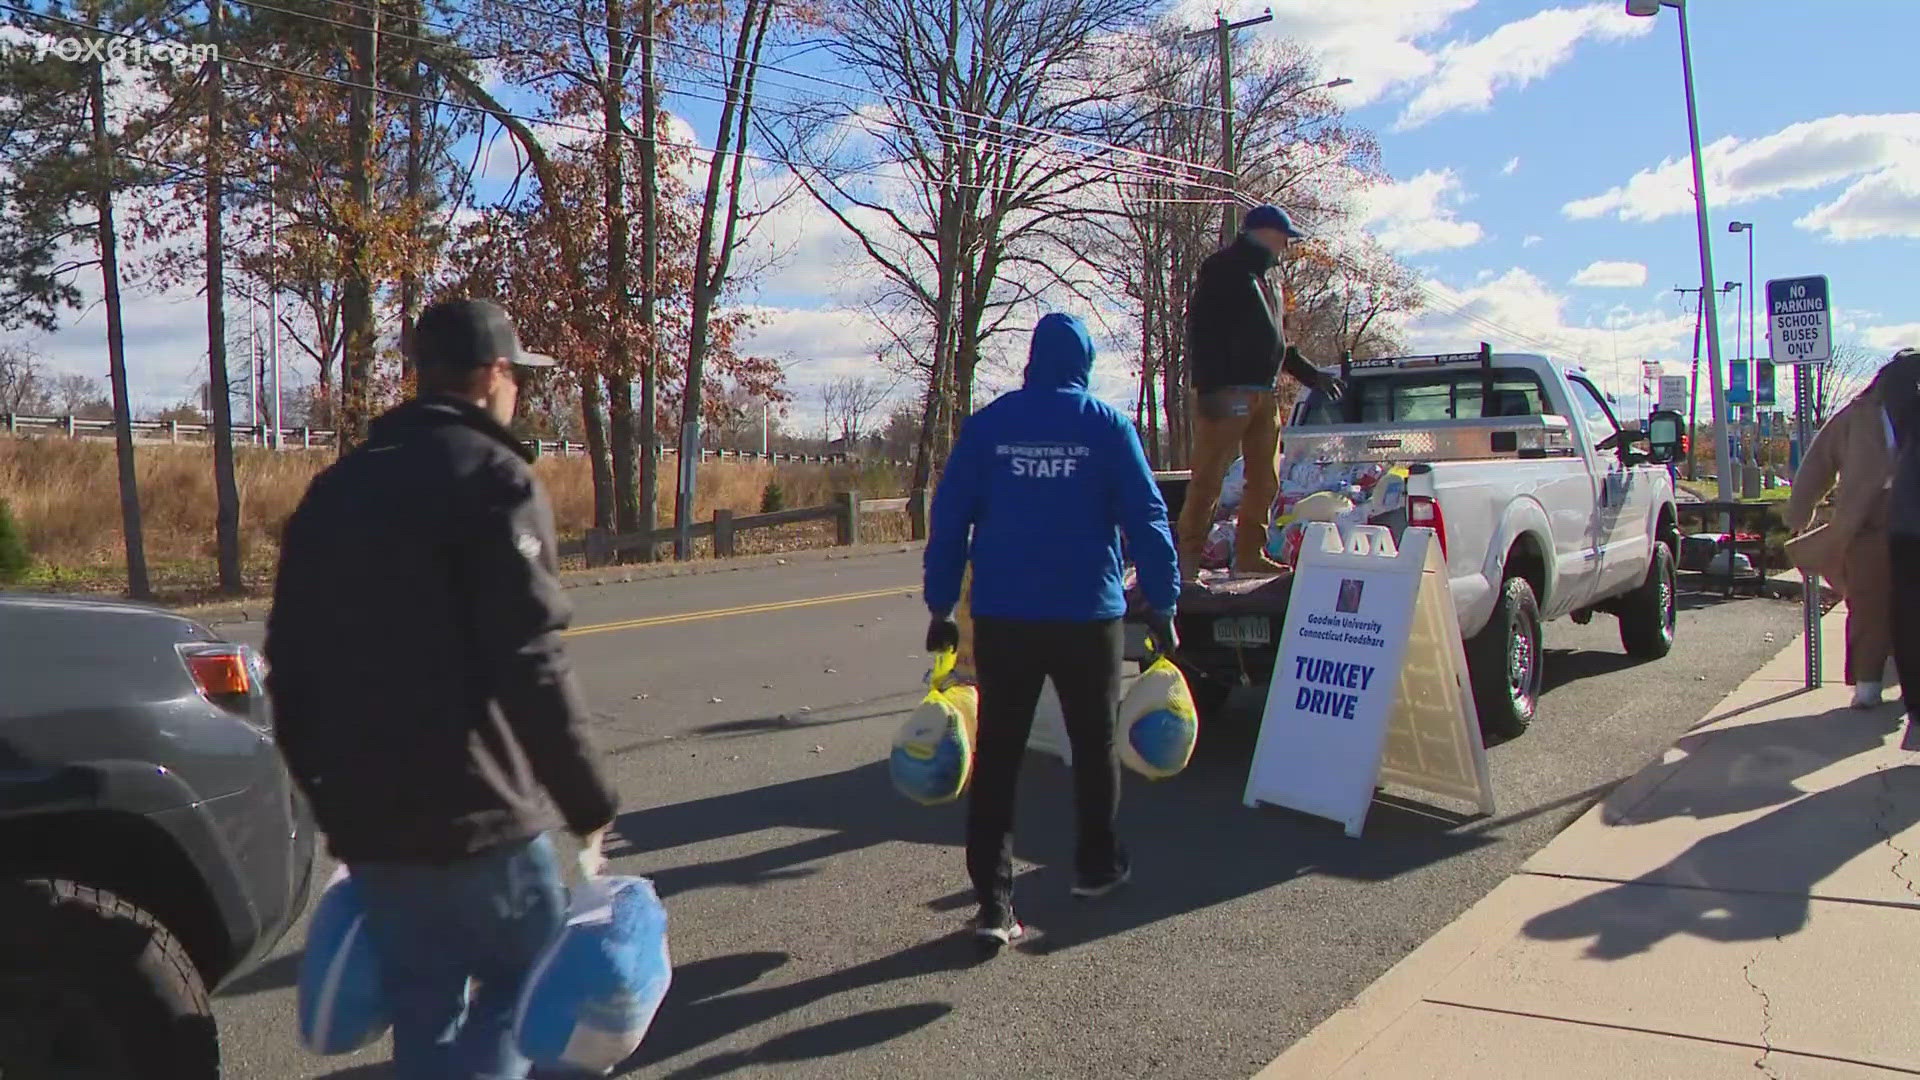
[(746, 609)]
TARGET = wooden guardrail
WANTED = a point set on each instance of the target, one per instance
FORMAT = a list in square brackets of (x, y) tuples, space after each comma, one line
[(601, 547), (304, 438)]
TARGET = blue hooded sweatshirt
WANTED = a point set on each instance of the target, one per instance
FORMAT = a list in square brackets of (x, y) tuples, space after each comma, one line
[(1038, 490)]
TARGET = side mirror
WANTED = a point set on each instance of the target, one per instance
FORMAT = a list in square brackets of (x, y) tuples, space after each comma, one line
[(1664, 432)]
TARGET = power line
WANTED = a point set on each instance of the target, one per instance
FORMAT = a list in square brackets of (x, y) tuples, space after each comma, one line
[(1003, 141), (786, 162), (950, 110)]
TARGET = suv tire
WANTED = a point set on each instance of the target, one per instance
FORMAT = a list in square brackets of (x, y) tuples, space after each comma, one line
[(1504, 660), (1648, 613), (93, 987)]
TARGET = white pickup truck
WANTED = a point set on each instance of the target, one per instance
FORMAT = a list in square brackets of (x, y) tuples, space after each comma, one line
[(1543, 505)]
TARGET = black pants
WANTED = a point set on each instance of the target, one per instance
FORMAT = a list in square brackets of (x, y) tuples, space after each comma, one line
[(1013, 658), (1905, 559)]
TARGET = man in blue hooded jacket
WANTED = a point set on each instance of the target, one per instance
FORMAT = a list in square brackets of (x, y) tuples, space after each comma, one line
[(1038, 490)]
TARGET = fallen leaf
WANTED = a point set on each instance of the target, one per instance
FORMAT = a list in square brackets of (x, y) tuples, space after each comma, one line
[(716, 701), (806, 708), (766, 686), (819, 749), (639, 697), (830, 671)]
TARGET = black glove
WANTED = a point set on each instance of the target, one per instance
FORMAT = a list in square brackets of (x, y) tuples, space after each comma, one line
[(1163, 639), (1307, 375), (943, 634), (1331, 387)]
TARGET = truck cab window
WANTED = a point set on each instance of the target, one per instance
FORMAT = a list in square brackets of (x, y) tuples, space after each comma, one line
[(1593, 410)]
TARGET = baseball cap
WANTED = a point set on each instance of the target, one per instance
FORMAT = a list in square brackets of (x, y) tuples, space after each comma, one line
[(470, 334), (1270, 216)]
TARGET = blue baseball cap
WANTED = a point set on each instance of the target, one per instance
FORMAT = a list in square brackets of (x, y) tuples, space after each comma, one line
[(1271, 217)]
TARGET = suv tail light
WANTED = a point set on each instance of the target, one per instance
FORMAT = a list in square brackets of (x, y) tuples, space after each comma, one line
[(1423, 511), (230, 675)]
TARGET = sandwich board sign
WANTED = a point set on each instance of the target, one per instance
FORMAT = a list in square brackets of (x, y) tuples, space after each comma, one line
[(1799, 320), (1371, 683)]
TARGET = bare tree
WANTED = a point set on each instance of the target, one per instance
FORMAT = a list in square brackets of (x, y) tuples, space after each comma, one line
[(1841, 379), (24, 388), (850, 402), (966, 89)]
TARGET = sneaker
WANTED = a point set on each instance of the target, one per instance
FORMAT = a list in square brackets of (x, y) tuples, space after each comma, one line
[(992, 935), (1093, 888), (1866, 695)]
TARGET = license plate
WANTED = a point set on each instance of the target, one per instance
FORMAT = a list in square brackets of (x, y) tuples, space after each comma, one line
[(1242, 630)]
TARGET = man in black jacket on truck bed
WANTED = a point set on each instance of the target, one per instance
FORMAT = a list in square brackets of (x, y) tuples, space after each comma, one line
[(422, 699), (1236, 349)]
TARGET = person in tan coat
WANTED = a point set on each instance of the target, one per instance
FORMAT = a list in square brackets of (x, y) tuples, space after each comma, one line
[(1853, 457)]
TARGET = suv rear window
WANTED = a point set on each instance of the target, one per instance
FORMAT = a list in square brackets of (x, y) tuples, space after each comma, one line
[(1413, 396)]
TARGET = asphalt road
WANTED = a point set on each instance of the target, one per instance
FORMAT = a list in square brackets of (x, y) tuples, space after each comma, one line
[(816, 915)]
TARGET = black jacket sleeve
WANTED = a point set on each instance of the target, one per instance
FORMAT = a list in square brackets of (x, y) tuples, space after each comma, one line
[(1209, 326), (509, 568)]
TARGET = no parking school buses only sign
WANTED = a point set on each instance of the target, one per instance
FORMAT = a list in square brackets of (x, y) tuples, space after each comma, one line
[(1371, 683)]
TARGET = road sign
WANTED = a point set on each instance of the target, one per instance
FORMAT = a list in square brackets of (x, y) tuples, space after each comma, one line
[(1763, 382), (1737, 390), (1673, 392), (1799, 320)]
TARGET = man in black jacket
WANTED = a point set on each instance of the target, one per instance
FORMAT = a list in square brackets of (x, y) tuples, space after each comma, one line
[(423, 702), (1236, 349)]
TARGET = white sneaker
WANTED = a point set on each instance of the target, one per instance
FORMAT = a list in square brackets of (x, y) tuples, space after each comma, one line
[(1866, 695)]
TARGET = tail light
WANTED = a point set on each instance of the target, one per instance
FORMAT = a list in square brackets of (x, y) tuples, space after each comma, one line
[(1423, 511), (229, 675)]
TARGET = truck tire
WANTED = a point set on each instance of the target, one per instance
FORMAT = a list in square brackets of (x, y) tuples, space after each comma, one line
[(93, 987), (1648, 613), (1504, 662)]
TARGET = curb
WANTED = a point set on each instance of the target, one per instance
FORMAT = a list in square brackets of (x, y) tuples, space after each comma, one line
[(602, 577)]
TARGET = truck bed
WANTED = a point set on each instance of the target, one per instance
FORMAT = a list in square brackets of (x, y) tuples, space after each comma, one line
[(1223, 594)]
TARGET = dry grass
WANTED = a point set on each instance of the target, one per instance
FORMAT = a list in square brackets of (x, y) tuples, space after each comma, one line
[(64, 494)]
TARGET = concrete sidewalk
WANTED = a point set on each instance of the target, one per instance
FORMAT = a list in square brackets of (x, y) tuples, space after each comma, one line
[(1746, 906)]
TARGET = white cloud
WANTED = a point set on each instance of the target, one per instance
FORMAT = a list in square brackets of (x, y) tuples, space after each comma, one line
[(1891, 339), (1517, 312), (1512, 164), (1870, 149), (1514, 55), (1417, 215), (1883, 203), (1603, 274), (1532, 239), (1376, 43)]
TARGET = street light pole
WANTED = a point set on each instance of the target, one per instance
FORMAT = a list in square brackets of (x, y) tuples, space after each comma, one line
[(1722, 446)]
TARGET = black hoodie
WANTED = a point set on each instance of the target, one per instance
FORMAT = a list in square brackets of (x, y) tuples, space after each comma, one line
[(421, 696), (1234, 332)]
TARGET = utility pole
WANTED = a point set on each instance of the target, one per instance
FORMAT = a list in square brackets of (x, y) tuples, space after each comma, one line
[(1693, 388), (1223, 43)]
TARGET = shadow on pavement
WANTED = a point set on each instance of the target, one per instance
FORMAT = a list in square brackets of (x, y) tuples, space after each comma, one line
[(1749, 766), (693, 1017), (849, 1033), (1564, 666), (275, 974), (1190, 836), (1749, 883)]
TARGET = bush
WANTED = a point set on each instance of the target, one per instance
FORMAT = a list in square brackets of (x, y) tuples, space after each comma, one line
[(14, 560), (772, 499)]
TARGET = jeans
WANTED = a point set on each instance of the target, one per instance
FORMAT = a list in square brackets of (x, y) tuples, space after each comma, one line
[(1015, 657), (485, 918)]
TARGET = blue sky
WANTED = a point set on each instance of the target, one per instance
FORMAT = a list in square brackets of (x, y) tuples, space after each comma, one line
[(1542, 185)]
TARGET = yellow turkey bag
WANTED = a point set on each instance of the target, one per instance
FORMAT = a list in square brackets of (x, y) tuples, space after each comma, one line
[(1157, 723), (932, 757)]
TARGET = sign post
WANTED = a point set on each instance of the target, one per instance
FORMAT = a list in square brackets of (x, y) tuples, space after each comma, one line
[(1800, 333), (1673, 393)]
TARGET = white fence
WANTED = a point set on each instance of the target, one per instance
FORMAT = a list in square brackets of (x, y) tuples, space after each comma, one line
[(302, 438)]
